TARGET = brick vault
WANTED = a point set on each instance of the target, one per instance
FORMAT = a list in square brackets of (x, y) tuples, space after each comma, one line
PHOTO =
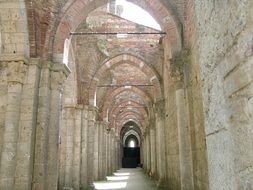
[(79, 84)]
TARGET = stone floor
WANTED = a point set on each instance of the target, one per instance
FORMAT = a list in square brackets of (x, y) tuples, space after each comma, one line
[(132, 179)]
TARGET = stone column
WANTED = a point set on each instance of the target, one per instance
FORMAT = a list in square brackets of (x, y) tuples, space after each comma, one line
[(27, 125), (144, 150), (160, 140), (148, 152), (102, 149), (109, 158), (16, 75), (116, 153), (69, 118), (153, 151), (113, 152), (84, 149), (59, 73), (77, 147), (107, 152), (104, 158), (39, 175), (184, 142), (91, 130), (96, 151)]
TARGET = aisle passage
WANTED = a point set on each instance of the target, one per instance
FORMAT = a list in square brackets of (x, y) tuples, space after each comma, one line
[(132, 179)]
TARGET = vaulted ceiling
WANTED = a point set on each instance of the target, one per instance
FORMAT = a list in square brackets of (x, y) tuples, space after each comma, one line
[(122, 76)]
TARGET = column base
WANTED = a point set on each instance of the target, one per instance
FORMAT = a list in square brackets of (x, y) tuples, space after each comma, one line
[(68, 188), (161, 183)]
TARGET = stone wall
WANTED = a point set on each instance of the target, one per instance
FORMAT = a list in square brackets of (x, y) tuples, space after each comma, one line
[(225, 59), (14, 31)]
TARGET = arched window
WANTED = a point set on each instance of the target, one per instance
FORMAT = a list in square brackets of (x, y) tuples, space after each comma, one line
[(132, 143), (66, 51), (134, 13)]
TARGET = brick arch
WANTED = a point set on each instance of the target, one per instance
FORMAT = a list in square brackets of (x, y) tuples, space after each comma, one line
[(129, 133), (147, 99), (129, 59), (129, 117), (74, 13), (121, 125), (134, 114), (139, 123), (119, 106), (118, 125)]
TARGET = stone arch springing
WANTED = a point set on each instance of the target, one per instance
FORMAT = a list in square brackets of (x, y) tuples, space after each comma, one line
[(132, 60)]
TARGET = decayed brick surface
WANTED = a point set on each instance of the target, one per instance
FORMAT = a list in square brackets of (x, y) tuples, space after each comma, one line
[(194, 123)]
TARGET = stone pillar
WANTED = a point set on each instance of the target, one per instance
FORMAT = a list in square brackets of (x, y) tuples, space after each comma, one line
[(27, 125), (160, 140), (153, 150), (84, 149), (16, 75), (102, 150), (116, 153), (91, 130), (109, 158), (59, 73), (111, 152), (144, 150), (96, 151), (104, 147), (39, 175), (184, 142), (107, 152), (77, 147), (148, 152), (69, 118)]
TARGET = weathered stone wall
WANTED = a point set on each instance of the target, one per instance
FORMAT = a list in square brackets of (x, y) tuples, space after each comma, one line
[(171, 133), (3, 99), (225, 59), (14, 31)]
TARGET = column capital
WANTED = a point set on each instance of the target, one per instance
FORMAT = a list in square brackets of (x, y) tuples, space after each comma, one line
[(35, 61), (59, 72), (60, 67), (151, 123), (16, 71), (93, 108), (92, 113), (177, 63), (159, 108)]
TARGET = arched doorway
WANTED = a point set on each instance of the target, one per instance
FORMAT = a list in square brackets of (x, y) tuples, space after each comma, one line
[(130, 137)]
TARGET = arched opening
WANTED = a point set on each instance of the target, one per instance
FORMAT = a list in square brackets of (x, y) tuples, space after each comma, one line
[(132, 144), (131, 141)]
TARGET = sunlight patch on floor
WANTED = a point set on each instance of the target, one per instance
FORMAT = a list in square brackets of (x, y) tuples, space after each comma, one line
[(117, 178), (114, 185), (121, 174)]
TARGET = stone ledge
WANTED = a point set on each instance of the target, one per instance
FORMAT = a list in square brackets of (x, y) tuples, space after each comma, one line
[(8, 58), (61, 67)]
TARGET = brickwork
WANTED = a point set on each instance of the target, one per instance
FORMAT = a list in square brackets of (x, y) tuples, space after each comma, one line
[(186, 96)]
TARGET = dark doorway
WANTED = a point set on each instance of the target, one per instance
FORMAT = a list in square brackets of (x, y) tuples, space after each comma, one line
[(131, 154), (131, 158)]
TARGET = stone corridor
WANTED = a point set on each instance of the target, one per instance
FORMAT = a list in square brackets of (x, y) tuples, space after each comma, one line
[(91, 86), (129, 179)]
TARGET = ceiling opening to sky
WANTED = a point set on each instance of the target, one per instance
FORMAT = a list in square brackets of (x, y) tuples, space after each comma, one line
[(136, 14)]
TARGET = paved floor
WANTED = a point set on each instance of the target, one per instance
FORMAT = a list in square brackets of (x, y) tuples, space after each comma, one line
[(131, 179)]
